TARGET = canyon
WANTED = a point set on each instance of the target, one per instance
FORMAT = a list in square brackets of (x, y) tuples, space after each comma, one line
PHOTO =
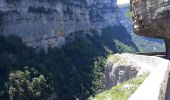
[(74, 39)]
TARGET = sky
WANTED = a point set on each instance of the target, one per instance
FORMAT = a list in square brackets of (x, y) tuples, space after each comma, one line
[(119, 2)]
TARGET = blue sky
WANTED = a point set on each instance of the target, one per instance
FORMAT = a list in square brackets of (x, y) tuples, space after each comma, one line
[(119, 2)]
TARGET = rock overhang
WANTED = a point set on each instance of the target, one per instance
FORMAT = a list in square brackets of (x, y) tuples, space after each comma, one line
[(151, 18)]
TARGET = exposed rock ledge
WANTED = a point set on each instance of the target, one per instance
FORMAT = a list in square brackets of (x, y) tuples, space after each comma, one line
[(123, 67)]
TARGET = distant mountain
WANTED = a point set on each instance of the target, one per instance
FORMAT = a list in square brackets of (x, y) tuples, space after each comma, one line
[(144, 44)]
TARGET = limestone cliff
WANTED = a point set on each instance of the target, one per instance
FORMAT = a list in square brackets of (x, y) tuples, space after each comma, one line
[(44, 23), (151, 18)]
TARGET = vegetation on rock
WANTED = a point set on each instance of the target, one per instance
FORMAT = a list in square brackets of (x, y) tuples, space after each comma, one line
[(122, 91)]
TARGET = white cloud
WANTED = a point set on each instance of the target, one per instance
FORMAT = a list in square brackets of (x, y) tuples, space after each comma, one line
[(119, 2)]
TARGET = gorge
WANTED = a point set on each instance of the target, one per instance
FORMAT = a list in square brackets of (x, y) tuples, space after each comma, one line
[(66, 42), (57, 49)]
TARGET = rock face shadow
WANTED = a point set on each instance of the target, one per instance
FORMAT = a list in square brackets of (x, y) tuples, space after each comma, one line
[(167, 96), (119, 74)]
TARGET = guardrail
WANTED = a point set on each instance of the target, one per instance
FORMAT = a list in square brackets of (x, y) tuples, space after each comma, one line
[(153, 53), (155, 85)]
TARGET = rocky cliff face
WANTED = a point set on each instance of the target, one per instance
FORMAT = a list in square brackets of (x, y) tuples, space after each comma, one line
[(44, 23), (153, 44), (151, 18)]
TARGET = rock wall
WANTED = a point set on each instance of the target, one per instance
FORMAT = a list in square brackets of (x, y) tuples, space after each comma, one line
[(152, 18), (44, 23), (157, 81)]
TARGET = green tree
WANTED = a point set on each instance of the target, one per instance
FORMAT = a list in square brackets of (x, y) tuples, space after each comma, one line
[(98, 74), (121, 47), (24, 84)]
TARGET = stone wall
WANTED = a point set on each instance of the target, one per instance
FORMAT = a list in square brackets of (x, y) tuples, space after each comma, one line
[(155, 86)]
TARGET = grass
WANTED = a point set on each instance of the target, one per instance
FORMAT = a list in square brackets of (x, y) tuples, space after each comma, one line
[(122, 91)]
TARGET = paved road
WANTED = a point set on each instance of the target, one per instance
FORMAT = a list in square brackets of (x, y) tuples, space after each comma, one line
[(168, 90)]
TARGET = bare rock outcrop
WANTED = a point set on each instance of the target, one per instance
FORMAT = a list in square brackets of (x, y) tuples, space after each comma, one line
[(123, 67), (151, 18)]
